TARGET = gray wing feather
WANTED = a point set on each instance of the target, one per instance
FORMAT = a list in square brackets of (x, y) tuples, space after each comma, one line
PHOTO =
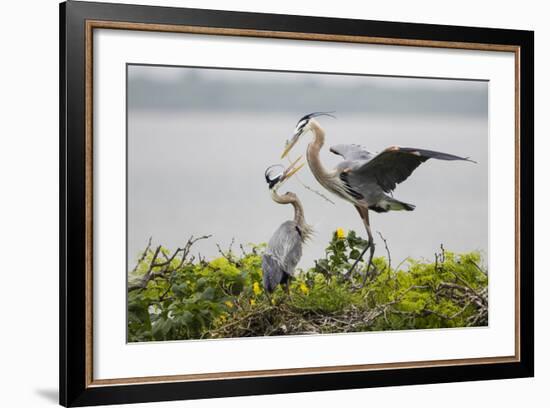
[(273, 274), (351, 152), (285, 246), (394, 165)]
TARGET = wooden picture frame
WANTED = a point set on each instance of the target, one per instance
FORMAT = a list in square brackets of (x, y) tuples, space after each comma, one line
[(78, 20)]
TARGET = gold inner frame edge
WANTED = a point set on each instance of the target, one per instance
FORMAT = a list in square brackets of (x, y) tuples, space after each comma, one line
[(93, 24)]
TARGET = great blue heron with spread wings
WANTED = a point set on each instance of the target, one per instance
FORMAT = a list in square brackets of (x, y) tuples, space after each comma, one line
[(284, 249), (363, 178)]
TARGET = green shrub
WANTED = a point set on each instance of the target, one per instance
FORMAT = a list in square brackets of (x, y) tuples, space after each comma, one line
[(172, 296)]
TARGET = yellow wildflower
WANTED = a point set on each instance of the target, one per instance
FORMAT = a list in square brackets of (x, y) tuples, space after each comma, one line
[(304, 288), (220, 320), (256, 288), (229, 304), (340, 234), (252, 302)]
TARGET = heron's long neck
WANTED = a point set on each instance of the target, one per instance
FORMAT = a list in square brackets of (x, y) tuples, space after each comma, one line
[(295, 201), (314, 152)]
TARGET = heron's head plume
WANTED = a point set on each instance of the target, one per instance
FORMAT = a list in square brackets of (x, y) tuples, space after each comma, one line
[(302, 127)]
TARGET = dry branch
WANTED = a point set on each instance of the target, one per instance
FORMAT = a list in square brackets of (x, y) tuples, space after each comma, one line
[(151, 274)]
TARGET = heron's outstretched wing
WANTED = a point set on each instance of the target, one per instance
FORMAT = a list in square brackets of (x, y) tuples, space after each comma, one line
[(395, 164), (351, 152)]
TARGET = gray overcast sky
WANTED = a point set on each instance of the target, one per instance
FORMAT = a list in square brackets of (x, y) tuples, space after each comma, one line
[(199, 141)]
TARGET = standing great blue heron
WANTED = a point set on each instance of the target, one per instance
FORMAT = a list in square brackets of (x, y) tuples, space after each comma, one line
[(284, 249), (362, 178)]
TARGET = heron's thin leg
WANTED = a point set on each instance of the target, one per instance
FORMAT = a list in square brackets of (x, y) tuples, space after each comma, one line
[(358, 260), (371, 245), (365, 217)]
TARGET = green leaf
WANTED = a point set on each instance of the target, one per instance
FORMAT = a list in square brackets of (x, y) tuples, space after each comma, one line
[(208, 294)]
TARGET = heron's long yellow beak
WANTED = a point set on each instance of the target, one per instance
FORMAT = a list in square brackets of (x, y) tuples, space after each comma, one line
[(289, 146), (292, 169)]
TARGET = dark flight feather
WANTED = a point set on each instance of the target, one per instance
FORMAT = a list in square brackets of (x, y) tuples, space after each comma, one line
[(395, 164)]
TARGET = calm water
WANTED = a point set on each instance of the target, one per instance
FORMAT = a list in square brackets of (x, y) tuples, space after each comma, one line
[(202, 173)]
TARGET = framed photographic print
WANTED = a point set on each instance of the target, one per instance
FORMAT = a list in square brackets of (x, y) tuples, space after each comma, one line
[(256, 203)]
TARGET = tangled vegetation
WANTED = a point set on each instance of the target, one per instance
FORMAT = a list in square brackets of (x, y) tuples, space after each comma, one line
[(174, 296)]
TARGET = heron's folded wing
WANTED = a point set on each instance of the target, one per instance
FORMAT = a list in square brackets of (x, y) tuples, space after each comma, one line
[(395, 164), (286, 246), (272, 272), (293, 251)]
